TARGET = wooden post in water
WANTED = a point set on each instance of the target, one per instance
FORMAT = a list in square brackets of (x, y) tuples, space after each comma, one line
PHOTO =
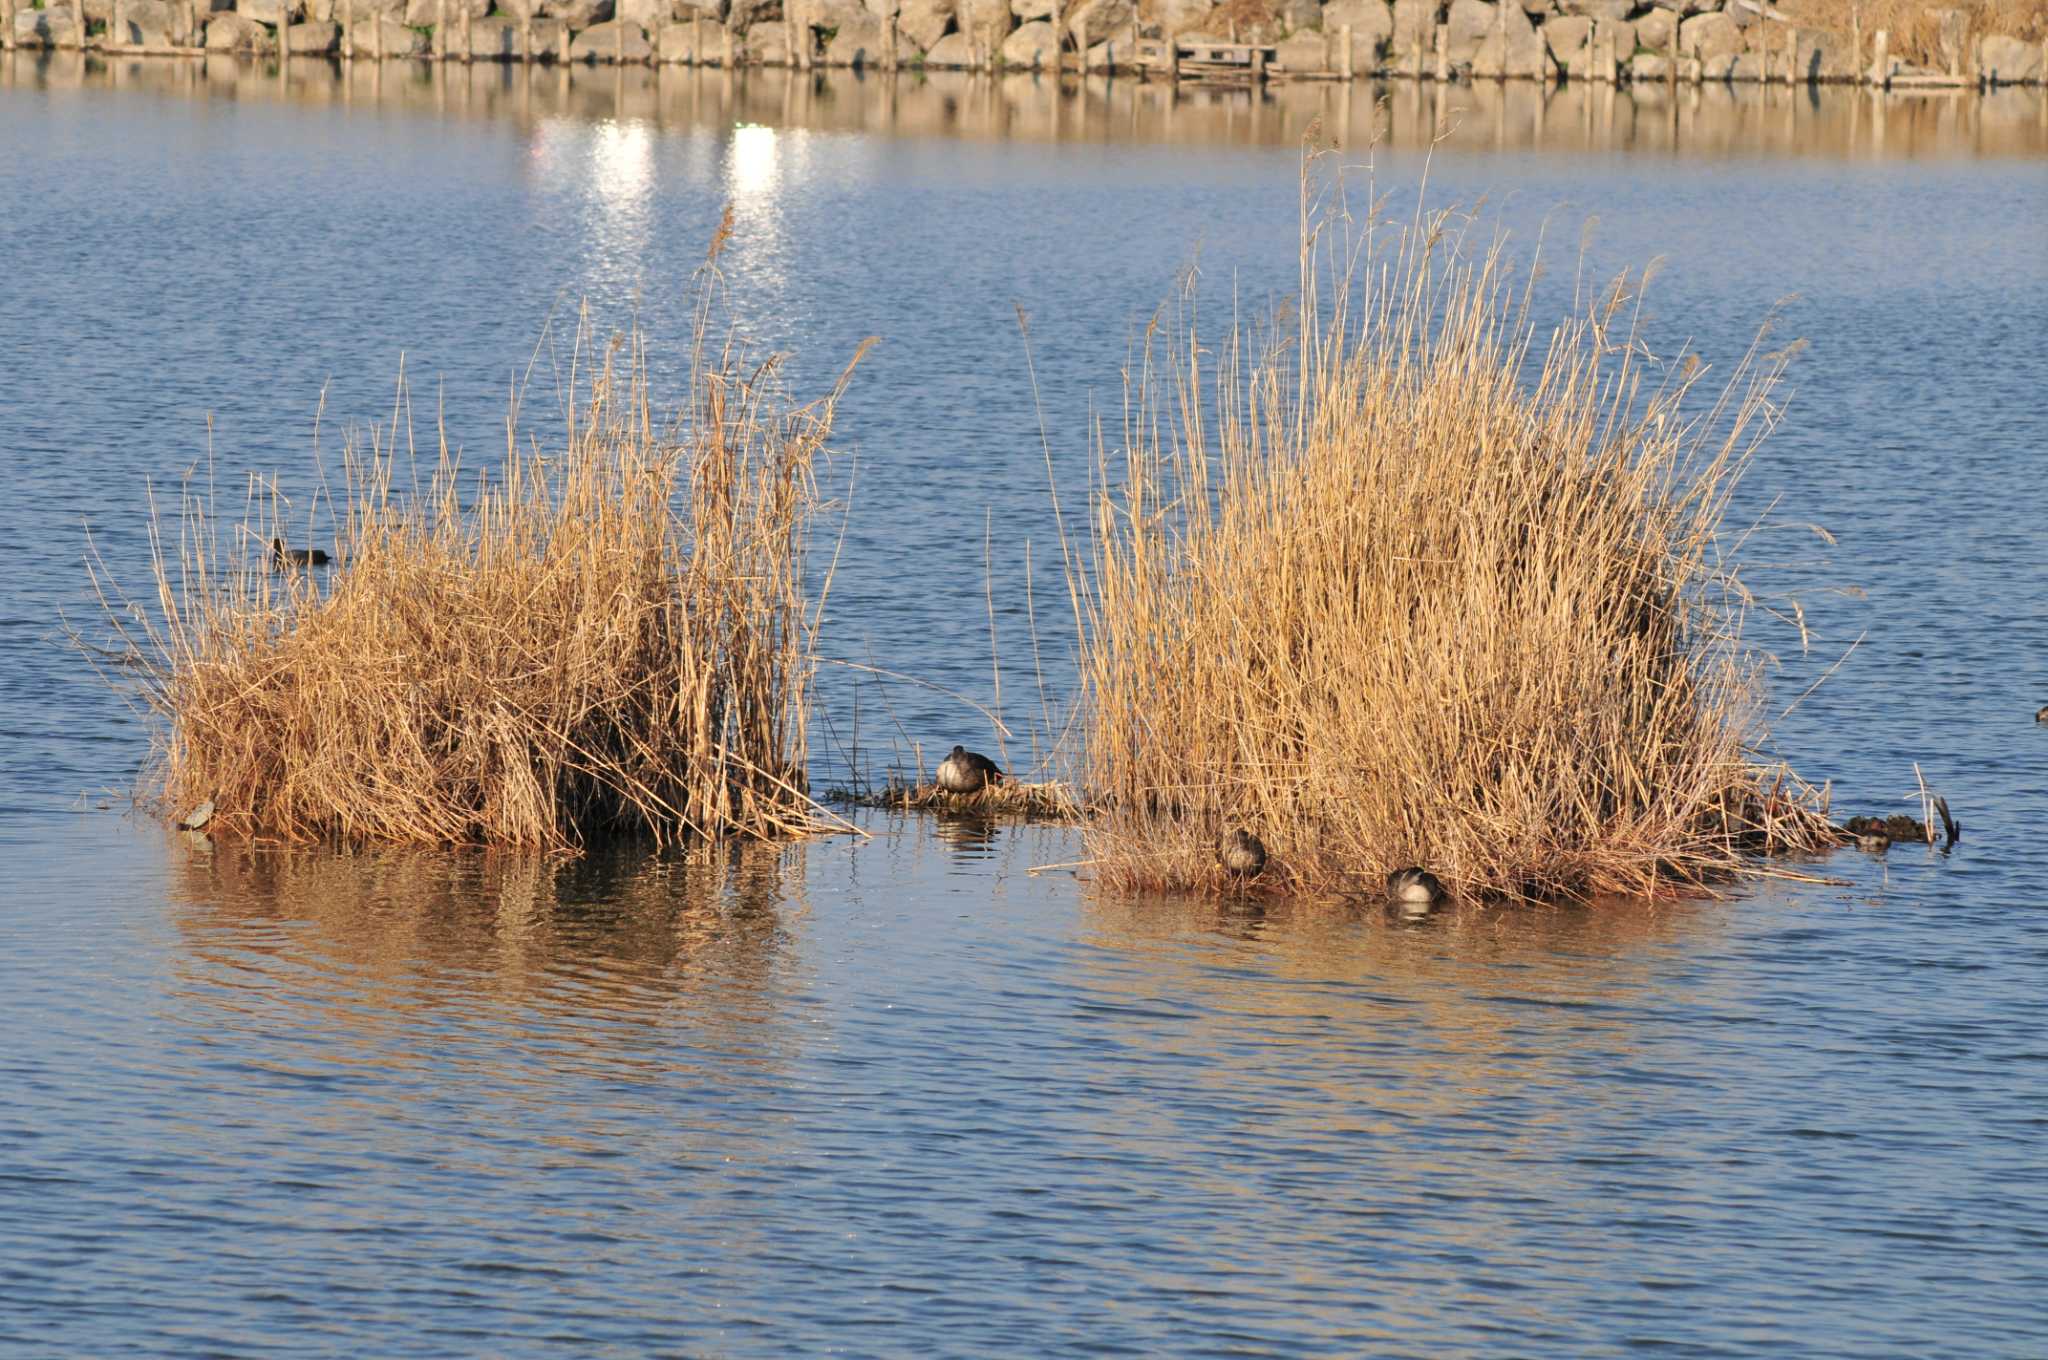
[(618, 37), (889, 45), (1347, 51), (1415, 54), (526, 33), (6, 25), (114, 36), (348, 32), (727, 28), (1881, 65), (1856, 42), (697, 38), (468, 47), (1173, 56), (440, 30), (1443, 53), (78, 23), (1500, 38)]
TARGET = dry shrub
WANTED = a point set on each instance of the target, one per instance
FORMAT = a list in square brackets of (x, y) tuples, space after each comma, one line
[(611, 634), (1394, 591), (1913, 27)]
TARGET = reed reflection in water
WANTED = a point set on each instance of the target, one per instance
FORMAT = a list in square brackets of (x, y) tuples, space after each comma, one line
[(1708, 120)]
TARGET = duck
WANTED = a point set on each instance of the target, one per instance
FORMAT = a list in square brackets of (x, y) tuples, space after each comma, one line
[(2041, 714), (1242, 855), (1414, 887), (297, 557), (1873, 842), (965, 771)]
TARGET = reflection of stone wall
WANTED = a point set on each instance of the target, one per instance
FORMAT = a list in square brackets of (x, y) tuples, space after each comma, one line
[(1708, 120), (1534, 39)]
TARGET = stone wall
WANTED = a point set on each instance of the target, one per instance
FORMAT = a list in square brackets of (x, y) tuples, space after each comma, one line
[(1551, 40)]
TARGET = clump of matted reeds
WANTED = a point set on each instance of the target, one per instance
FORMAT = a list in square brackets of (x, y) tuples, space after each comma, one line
[(611, 633), (1400, 589), (1035, 800)]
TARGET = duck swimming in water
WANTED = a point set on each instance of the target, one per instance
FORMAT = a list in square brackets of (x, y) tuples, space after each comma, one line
[(1242, 855), (966, 771), (1414, 888), (297, 557)]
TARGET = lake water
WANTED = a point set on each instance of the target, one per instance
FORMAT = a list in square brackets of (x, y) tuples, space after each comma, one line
[(897, 1095)]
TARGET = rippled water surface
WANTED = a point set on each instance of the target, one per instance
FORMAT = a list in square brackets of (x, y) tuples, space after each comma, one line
[(892, 1094)]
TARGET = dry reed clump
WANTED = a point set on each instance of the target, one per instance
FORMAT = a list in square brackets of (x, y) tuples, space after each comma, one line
[(608, 635), (1399, 591)]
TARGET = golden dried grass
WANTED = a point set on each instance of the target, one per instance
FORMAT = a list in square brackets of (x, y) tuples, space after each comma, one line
[(1913, 27), (1400, 589), (610, 634)]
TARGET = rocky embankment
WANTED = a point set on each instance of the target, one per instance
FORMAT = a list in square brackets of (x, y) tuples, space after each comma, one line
[(1524, 39)]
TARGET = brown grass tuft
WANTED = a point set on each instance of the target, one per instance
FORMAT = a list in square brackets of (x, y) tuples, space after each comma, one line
[(1397, 590), (610, 634)]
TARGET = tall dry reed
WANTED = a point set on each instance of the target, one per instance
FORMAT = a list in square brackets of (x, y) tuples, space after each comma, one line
[(611, 633), (1402, 588)]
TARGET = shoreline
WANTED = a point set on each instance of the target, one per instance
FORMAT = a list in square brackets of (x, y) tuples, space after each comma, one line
[(1465, 41), (1710, 121)]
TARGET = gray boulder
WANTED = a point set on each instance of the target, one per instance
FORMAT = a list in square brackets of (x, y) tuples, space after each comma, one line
[(580, 14), (1412, 19), (985, 22), (744, 15), (1713, 38), (1471, 23), (1647, 67), (858, 41), (1099, 19), (398, 40), (1822, 54), (267, 11), (649, 14), (1657, 28), (953, 51), (923, 22), (2009, 61), (44, 28), (429, 11), (694, 42), (151, 23), (1372, 30), (767, 44), (1523, 51), (492, 39), (1566, 36), (1033, 46), (1598, 9), (237, 33), (1577, 44), (612, 40), (313, 39)]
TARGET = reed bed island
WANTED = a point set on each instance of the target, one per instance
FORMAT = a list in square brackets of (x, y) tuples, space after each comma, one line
[(1409, 582), (611, 634)]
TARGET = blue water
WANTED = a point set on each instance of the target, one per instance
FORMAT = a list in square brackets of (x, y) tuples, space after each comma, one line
[(894, 1095)]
